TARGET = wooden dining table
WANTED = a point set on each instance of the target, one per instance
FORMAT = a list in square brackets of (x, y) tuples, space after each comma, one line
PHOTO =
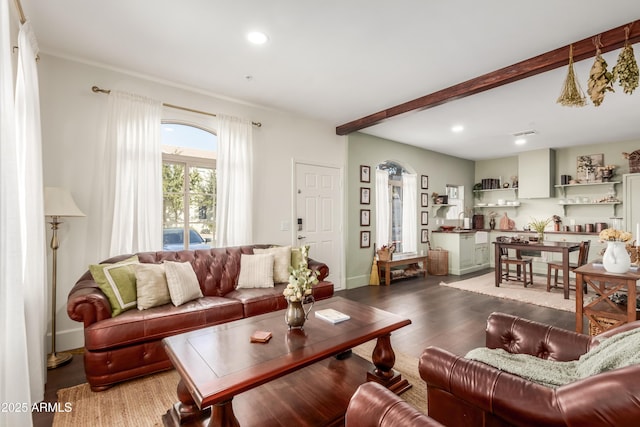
[(565, 248)]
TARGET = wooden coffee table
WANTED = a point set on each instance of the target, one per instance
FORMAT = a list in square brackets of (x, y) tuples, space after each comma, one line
[(266, 382)]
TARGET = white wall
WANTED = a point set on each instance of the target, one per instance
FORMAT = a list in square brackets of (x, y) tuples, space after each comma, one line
[(73, 126), (370, 151)]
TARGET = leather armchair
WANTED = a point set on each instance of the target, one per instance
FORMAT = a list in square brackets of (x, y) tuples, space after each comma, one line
[(374, 405), (464, 392)]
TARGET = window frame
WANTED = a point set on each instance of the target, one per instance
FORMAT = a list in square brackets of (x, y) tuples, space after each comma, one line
[(188, 162)]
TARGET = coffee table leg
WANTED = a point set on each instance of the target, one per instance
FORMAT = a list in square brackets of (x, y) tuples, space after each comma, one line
[(186, 410), (384, 358), (223, 416)]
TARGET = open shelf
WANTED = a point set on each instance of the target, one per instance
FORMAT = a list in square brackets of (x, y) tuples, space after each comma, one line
[(563, 187)]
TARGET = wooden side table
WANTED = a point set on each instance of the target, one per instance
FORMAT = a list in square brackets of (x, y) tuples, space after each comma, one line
[(605, 284), (400, 260)]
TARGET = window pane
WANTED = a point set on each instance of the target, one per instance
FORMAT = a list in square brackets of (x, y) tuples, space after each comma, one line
[(173, 192), (189, 182)]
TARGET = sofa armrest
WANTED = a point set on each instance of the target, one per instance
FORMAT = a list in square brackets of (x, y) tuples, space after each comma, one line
[(87, 303), (320, 267), (486, 388), (374, 405), (518, 335), (606, 399)]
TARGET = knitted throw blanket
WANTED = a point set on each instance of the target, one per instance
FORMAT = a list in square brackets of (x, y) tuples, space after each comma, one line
[(616, 352)]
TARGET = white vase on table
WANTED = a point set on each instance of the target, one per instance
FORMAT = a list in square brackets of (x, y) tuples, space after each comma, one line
[(616, 258)]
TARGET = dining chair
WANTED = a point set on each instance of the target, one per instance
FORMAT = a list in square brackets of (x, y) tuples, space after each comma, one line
[(521, 264), (583, 255)]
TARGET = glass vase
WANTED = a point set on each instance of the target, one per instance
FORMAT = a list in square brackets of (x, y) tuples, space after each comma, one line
[(616, 259)]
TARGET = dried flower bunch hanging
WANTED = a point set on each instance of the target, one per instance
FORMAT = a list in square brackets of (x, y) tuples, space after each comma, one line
[(572, 94), (600, 80), (626, 70)]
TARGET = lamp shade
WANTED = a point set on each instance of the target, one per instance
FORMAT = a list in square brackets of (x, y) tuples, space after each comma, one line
[(58, 202)]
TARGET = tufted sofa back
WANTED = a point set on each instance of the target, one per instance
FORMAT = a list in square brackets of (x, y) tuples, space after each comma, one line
[(217, 269), (514, 335)]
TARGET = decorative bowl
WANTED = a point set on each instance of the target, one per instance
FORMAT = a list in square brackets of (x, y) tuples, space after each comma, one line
[(447, 227)]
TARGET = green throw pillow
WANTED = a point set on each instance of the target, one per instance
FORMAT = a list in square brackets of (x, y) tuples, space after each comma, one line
[(296, 257), (118, 282)]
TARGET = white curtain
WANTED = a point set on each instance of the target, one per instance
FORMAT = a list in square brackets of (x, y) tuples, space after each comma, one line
[(22, 246), (383, 208), (234, 173), (409, 212), (132, 179)]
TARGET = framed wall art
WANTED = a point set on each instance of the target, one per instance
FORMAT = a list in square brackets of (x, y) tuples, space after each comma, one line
[(365, 196), (365, 217), (365, 173), (424, 218), (365, 239), (424, 200), (587, 167), (424, 182), (424, 235)]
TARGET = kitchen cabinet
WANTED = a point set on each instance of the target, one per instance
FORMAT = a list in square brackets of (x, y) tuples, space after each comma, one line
[(465, 254), (536, 171)]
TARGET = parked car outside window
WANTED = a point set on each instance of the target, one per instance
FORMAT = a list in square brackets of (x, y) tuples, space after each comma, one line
[(173, 239)]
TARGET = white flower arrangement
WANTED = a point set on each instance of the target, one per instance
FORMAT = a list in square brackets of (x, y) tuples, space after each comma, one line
[(614, 235), (301, 279)]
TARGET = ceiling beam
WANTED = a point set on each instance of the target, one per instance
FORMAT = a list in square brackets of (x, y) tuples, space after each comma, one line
[(583, 49)]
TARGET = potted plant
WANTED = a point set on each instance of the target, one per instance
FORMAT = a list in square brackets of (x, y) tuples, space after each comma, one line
[(539, 225), (298, 290)]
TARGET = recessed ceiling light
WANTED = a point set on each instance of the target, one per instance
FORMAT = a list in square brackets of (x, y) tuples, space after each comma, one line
[(520, 141), (257, 37), (457, 128)]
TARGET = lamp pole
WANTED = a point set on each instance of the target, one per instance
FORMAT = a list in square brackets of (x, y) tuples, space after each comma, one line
[(55, 359)]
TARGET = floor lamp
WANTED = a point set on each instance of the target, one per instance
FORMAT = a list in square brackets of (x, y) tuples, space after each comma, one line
[(57, 203)]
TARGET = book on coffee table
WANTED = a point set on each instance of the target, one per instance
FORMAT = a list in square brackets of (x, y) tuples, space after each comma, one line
[(261, 336), (331, 315)]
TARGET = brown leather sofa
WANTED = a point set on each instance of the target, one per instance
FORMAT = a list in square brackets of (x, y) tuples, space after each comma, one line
[(129, 345), (374, 405), (464, 392)]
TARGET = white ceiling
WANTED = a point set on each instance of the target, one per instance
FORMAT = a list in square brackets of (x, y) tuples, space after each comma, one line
[(340, 60)]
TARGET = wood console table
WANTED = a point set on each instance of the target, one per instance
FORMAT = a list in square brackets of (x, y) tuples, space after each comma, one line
[(400, 260), (605, 284)]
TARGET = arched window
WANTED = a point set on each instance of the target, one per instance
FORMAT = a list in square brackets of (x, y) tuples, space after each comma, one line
[(188, 186), (396, 208)]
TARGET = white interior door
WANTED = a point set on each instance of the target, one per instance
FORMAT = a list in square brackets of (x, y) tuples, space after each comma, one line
[(318, 215)]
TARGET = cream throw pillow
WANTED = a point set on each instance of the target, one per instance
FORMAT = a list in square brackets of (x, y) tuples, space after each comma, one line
[(182, 281), (256, 271), (151, 284), (281, 262)]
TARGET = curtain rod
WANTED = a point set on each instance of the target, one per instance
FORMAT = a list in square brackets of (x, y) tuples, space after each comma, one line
[(23, 19), (96, 89)]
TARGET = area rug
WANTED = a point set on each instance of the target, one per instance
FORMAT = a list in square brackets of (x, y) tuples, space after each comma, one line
[(142, 402), (534, 294)]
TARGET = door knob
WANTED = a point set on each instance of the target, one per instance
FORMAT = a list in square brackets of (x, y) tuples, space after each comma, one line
[(301, 237)]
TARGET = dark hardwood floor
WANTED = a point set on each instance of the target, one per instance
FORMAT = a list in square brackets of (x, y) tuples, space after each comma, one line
[(441, 316)]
